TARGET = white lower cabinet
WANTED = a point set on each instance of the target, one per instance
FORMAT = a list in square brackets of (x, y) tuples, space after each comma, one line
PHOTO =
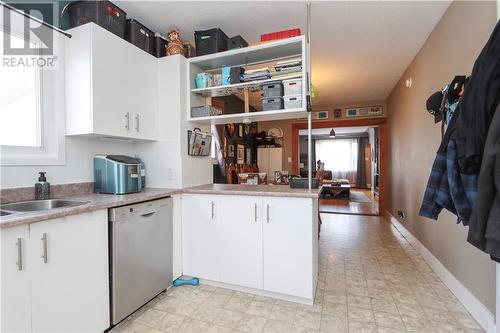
[(70, 288), (239, 234), (288, 251), (267, 243), (16, 286), (200, 251), (65, 286)]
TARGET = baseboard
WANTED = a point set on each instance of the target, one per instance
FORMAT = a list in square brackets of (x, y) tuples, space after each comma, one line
[(477, 309), (259, 292)]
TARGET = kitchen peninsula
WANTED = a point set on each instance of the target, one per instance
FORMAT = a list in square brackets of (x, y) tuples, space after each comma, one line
[(256, 238)]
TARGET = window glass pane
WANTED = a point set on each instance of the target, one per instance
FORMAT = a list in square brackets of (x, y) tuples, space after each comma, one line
[(338, 154), (20, 123)]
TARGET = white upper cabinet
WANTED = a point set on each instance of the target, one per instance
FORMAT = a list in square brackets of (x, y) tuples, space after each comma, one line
[(111, 86)]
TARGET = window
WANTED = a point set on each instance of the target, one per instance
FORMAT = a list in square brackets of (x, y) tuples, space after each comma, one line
[(20, 91), (32, 122), (339, 155)]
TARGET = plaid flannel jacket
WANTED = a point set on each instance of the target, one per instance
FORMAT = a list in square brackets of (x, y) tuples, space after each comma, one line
[(448, 188)]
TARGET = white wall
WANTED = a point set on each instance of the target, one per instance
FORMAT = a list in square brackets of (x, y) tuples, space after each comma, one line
[(167, 161), (78, 167)]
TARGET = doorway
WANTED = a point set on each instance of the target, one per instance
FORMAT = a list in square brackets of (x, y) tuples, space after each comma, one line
[(349, 158)]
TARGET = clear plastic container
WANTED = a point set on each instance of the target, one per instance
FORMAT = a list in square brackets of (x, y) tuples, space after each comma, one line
[(292, 87), (292, 102)]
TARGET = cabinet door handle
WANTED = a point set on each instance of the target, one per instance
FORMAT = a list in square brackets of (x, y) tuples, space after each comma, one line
[(19, 262), (255, 212), (268, 218), (213, 210), (127, 123), (44, 254), (137, 122)]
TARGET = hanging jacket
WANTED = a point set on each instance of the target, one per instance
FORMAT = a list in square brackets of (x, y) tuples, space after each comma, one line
[(484, 225), (478, 105), (448, 187)]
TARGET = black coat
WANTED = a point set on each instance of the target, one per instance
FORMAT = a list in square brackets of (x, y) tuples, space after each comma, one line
[(478, 104), (484, 224)]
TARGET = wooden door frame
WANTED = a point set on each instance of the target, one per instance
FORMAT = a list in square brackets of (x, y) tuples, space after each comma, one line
[(383, 139)]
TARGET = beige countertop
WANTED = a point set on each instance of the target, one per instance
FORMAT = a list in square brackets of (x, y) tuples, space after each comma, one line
[(264, 190), (94, 201), (97, 201)]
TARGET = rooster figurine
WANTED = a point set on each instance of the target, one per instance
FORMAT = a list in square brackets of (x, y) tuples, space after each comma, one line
[(174, 43)]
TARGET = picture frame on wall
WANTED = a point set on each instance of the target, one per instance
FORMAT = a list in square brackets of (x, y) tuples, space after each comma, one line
[(230, 151), (247, 131), (230, 129), (253, 129), (224, 147), (248, 156), (240, 154)]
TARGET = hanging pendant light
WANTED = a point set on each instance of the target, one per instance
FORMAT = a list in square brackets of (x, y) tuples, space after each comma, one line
[(332, 134)]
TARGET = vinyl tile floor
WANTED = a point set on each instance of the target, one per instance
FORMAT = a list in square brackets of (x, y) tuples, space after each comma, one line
[(370, 280)]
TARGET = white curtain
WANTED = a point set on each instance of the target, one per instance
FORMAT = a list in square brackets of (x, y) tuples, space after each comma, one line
[(340, 156)]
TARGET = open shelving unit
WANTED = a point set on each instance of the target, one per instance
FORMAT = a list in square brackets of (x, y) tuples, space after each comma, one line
[(237, 88), (264, 54)]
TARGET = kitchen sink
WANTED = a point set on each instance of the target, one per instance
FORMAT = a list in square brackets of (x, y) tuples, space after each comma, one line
[(37, 205)]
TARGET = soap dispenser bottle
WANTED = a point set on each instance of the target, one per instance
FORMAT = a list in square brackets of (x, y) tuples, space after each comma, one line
[(42, 188)]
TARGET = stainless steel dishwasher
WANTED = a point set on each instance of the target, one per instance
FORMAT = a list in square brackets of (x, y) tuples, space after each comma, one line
[(140, 254)]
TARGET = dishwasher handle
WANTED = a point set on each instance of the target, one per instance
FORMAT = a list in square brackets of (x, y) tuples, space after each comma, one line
[(148, 214), (145, 209)]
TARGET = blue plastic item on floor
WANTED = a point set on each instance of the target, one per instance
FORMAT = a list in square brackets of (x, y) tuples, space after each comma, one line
[(193, 282)]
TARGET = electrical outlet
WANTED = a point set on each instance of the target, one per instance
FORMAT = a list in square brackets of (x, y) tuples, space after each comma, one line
[(401, 215), (170, 175)]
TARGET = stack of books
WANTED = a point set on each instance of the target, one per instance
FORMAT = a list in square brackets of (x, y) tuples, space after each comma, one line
[(256, 74), (288, 67)]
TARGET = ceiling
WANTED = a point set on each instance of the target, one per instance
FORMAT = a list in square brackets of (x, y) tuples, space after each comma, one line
[(359, 49)]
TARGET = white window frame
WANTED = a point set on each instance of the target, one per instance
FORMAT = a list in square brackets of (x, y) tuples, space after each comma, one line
[(52, 115)]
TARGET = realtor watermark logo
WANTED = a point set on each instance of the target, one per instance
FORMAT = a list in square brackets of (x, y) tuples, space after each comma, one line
[(27, 42)]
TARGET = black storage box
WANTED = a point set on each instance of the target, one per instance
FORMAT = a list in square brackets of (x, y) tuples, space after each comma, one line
[(237, 42), (104, 13), (272, 89), (235, 76), (303, 182), (273, 103), (139, 35), (160, 49), (210, 41)]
